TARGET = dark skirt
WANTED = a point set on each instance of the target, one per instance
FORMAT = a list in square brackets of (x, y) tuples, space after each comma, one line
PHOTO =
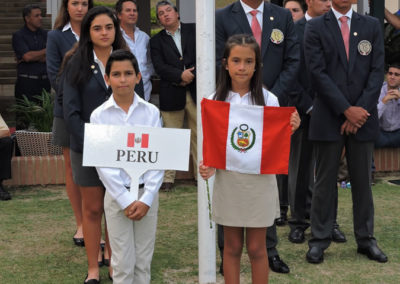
[(83, 176)]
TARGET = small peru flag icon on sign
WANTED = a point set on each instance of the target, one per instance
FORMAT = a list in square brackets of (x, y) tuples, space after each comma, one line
[(141, 141)]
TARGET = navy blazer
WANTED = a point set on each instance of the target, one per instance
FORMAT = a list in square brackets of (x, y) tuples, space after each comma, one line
[(169, 65), (340, 83), (302, 94), (280, 61), (58, 43), (79, 103)]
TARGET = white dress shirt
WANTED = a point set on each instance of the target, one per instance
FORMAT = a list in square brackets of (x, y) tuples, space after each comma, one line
[(141, 49), (235, 98), (116, 181), (247, 9), (177, 38), (349, 14)]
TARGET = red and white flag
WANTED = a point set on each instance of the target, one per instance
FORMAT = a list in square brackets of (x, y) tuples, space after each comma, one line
[(245, 138), (139, 141)]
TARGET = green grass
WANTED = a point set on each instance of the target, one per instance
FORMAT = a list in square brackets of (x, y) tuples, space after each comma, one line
[(37, 225)]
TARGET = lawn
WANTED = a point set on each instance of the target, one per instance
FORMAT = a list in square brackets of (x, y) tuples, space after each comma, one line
[(37, 225)]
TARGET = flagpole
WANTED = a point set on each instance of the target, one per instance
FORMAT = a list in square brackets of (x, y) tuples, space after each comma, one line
[(205, 73)]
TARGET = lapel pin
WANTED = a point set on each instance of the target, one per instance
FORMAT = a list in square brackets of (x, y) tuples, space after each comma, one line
[(95, 71), (271, 18), (355, 34), (92, 66)]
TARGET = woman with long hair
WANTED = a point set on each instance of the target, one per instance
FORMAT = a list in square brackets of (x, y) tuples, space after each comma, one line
[(84, 89), (66, 33)]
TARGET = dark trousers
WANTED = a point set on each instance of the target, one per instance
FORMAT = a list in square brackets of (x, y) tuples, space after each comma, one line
[(6, 146), (30, 88), (359, 158), (282, 182), (301, 176)]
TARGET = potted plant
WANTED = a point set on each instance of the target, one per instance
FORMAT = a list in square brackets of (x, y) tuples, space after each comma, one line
[(38, 115)]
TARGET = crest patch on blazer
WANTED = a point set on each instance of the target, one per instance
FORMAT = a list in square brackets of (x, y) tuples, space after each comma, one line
[(277, 36), (364, 47)]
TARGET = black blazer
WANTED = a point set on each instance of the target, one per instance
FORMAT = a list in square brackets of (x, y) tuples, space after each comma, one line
[(58, 43), (280, 61), (169, 65), (79, 103), (339, 83)]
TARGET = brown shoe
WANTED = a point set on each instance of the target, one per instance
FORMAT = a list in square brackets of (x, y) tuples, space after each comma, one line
[(167, 186)]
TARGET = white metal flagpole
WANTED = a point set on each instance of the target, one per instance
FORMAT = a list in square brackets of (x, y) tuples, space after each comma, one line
[(205, 73)]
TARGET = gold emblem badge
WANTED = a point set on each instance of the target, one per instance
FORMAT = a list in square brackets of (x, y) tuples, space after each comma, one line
[(277, 36), (364, 47)]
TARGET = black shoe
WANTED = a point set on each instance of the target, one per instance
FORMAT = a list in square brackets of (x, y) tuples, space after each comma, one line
[(296, 236), (277, 265), (80, 242), (4, 194), (373, 253), (338, 236), (91, 281), (315, 255)]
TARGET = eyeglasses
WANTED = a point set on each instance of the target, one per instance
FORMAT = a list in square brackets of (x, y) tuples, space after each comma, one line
[(393, 74)]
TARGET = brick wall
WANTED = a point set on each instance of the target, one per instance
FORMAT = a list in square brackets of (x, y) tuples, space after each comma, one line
[(387, 159), (34, 170), (43, 170)]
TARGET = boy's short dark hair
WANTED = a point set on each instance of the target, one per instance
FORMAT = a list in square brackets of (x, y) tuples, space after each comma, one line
[(119, 4), (28, 10), (122, 55)]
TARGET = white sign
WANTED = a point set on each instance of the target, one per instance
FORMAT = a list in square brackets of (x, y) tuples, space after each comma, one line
[(136, 149)]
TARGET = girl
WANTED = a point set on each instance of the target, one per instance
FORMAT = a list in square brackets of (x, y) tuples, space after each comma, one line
[(84, 89), (240, 82), (66, 33)]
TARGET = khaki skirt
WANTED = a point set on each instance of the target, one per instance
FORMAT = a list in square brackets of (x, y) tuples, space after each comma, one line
[(245, 200)]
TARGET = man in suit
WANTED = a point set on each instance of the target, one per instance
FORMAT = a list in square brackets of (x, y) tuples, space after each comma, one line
[(273, 29), (173, 52), (301, 163), (345, 55)]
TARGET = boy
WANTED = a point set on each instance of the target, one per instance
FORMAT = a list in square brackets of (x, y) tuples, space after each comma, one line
[(131, 223)]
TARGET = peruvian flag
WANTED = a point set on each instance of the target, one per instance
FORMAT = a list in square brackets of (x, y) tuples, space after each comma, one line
[(142, 141), (246, 138)]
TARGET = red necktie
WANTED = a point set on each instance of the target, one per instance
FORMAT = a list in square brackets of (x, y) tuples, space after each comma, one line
[(255, 27), (345, 33)]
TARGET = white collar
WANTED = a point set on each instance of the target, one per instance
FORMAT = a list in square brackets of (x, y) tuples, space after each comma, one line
[(247, 9), (69, 27), (111, 103), (307, 16), (349, 14)]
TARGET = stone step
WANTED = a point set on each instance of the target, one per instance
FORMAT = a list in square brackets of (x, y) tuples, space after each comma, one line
[(7, 73), (8, 65), (9, 53), (5, 39), (7, 80)]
